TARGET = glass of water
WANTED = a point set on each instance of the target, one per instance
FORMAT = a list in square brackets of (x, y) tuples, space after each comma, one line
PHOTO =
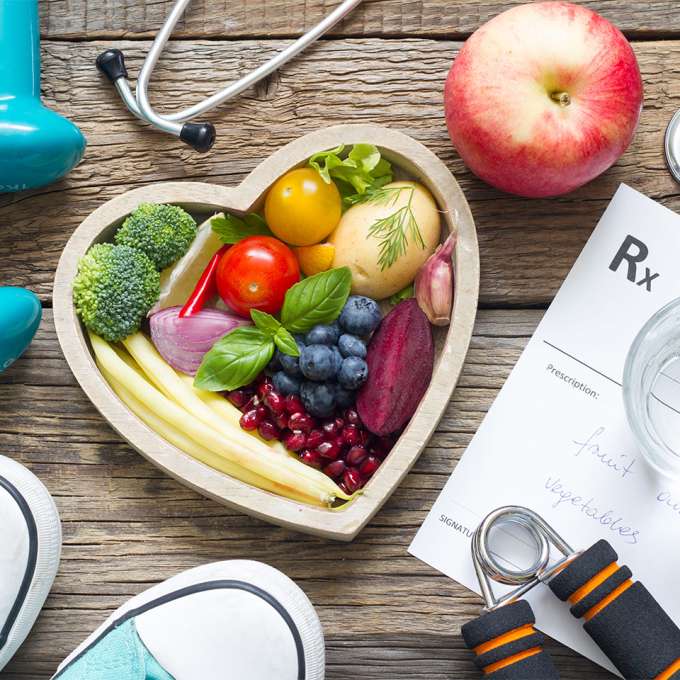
[(651, 389)]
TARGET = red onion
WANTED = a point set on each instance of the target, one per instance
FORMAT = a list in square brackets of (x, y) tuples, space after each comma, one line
[(183, 342)]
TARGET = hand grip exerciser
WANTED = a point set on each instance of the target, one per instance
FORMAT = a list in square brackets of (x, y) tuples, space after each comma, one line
[(620, 615)]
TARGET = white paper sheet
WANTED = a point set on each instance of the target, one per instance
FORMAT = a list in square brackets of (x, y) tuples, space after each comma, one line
[(556, 438)]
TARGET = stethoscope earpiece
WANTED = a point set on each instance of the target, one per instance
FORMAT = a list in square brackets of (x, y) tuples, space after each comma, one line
[(200, 136)]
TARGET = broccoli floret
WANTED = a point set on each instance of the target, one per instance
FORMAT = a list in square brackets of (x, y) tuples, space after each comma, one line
[(114, 289), (163, 232)]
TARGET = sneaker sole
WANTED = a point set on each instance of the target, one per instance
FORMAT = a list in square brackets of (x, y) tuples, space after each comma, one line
[(44, 529)]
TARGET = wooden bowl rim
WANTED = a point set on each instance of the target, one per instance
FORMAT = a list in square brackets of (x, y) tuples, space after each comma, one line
[(343, 524)]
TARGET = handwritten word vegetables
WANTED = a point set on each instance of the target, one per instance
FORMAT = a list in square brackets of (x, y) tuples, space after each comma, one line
[(400, 363), (386, 237)]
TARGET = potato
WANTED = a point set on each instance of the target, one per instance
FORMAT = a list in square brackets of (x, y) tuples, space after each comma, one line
[(368, 254)]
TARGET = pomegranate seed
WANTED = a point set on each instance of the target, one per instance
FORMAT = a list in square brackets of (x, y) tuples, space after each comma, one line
[(314, 438), (295, 441), (356, 455), (369, 466), (268, 430), (352, 417), (351, 436), (249, 420), (251, 404), (343, 487), (301, 421), (275, 402), (262, 413), (352, 479), (340, 443), (334, 469), (238, 398), (294, 404), (264, 388), (311, 458), (339, 423), (281, 421), (330, 428), (328, 450)]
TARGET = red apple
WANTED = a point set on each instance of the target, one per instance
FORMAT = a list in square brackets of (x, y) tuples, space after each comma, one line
[(543, 98)]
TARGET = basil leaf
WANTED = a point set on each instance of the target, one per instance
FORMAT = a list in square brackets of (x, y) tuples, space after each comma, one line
[(231, 229), (235, 360), (265, 322), (317, 299), (286, 342)]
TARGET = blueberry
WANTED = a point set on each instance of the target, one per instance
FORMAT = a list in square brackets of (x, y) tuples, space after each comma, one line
[(286, 384), (343, 398), (323, 334), (353, 373), (318, 398), (289, 364), (360, 315), (351, 346), (316, 362), (337, 360)]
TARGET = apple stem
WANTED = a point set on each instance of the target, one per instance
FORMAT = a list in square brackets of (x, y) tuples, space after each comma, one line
[(562, 98)]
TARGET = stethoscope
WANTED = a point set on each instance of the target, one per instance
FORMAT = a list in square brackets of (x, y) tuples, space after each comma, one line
[(672, 146), (201, 136)]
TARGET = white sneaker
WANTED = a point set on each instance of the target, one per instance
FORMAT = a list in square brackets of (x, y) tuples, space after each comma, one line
[(234, 620), (30, 545)]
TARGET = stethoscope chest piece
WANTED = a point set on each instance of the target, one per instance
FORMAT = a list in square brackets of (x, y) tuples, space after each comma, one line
[(672, 146)]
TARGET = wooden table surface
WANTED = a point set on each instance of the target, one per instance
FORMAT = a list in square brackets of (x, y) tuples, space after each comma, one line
[(127, 525)]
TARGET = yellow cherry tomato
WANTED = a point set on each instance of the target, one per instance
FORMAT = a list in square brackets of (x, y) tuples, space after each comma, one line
[(301, 209)]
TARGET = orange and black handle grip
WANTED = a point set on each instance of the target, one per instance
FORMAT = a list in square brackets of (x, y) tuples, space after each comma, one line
[(507, 646), (621, 616)]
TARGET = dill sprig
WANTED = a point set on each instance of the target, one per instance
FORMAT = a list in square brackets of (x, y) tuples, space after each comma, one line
[(394, 230)]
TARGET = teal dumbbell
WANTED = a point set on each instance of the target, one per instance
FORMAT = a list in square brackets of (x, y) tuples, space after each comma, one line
[(37, 145), (20, 314)]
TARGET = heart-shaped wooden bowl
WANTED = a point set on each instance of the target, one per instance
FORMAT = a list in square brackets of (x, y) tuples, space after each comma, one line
[(203, 199)]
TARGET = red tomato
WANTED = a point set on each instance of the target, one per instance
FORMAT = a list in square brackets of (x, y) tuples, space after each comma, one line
[(256, 273)]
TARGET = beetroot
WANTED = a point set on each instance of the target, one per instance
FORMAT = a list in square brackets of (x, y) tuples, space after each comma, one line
[(400, 361)]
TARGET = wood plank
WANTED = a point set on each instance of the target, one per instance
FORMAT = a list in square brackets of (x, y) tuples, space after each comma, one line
[(126, 526), (527, 247), (451, 18)]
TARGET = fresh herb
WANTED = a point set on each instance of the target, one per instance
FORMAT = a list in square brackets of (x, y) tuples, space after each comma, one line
[(235, 360), (403, 294), (232, 229), (239, 357), (362, 169), (395, 230), (318, 299), (279, 335)]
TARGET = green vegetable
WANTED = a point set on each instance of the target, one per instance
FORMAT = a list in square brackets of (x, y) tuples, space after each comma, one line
[(163, 232), (272, 326), (114, 289), (318, 299), (359, 171), (231, 229), (242, 354), (394, 230), (235, 360), (403, 294)]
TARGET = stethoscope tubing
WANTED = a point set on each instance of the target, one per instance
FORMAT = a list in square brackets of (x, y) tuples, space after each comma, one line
[(138, 102)]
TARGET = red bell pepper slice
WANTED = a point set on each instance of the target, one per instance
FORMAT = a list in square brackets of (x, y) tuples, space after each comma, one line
[(206, 287)]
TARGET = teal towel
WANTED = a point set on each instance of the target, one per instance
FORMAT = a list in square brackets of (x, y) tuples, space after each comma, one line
[(119, 655)]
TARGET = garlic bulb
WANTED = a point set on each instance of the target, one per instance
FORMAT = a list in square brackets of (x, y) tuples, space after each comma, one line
[(434, 284)]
